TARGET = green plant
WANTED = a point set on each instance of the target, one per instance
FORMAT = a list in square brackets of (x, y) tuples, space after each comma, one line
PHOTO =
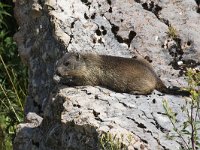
[(13, 81), (172, 32), (2, 142), (2, 14), (191, 127), (110, 142)]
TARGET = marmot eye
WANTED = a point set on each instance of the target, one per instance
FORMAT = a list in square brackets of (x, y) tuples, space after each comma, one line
[(66, 63)]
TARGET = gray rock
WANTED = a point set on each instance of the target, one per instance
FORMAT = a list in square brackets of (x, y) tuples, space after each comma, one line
[(61, 117)]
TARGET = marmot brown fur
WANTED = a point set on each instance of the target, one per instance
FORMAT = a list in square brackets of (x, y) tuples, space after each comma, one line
[(128, 75)]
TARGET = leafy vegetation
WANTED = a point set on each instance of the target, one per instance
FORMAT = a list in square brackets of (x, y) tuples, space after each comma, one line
[(172, 32), (13, 78), (110, 142), (190, 131)]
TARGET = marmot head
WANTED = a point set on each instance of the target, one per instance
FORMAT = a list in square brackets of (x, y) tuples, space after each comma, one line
[(69, 62)]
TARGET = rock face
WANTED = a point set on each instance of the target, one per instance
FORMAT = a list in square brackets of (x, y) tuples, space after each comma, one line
[(59, 117)]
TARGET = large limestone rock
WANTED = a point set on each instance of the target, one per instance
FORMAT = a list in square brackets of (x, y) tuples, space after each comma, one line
[(61, 117)]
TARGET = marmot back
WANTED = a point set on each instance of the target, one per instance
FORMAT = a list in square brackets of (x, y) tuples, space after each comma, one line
[(127, 75)]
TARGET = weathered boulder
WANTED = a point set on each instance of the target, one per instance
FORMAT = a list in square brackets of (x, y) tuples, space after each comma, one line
[(61, 117)]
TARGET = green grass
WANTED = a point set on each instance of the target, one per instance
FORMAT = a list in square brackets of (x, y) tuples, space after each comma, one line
[(13, 79), (172, 32)]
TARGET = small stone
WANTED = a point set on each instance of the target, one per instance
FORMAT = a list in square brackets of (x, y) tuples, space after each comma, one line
[(180, 63)]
